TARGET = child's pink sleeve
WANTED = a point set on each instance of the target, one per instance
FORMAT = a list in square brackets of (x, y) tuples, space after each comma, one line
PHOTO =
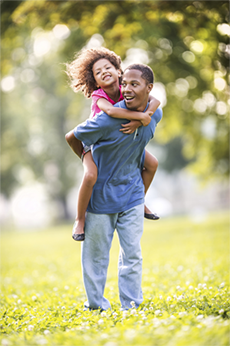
[(96, 95)]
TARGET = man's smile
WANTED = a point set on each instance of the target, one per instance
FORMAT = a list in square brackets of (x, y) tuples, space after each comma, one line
[(128, 98)]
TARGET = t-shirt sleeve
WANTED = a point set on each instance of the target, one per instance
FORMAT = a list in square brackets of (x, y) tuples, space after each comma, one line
[(158, 115), (88, 132), (96, 95)]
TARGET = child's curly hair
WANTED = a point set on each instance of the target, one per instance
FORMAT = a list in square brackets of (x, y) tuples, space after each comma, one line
[(80, 70)]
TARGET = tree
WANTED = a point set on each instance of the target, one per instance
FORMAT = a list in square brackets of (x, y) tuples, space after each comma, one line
[(188, 47), (33, 112), (185, 42)]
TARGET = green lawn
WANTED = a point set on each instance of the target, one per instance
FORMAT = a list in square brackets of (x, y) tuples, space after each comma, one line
[(185, 285)]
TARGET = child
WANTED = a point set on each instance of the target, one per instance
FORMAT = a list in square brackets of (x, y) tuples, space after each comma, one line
[(97, 73)]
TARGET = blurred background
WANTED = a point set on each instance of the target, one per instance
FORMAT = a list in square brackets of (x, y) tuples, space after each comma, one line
[(187, 45)]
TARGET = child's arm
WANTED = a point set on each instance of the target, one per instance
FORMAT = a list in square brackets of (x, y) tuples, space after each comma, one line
[(121, 113), (74, 143), (131, 126), (134, 124), (153, 105)]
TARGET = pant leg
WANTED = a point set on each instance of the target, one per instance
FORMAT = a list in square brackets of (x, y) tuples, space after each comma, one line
[(99, 230), (130, 229)]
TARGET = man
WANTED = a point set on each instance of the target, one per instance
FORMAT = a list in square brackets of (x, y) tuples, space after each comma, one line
[(117, 201)]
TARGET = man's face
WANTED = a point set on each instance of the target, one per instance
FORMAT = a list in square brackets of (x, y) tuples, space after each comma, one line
[(135, 90)]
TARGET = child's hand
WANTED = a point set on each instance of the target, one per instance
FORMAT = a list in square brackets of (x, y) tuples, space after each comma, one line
[(146, 118), (131, 126)]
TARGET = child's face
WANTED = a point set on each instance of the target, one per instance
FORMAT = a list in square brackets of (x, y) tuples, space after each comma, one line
[(105, 73)]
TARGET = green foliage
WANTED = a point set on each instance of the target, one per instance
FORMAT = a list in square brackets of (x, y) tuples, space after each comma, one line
[(172, 162), (184, 45), (185, 287)]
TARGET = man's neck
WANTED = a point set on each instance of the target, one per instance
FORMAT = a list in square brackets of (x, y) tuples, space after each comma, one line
[(142, 109)]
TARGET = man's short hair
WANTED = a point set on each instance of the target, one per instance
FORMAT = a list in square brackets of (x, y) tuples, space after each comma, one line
[(147, 72)]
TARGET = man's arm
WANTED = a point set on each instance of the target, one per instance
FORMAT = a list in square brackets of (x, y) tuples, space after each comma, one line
[(89, 132), (74, 143)]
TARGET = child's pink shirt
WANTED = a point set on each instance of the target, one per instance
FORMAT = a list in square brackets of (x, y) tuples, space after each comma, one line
[(98, 94)]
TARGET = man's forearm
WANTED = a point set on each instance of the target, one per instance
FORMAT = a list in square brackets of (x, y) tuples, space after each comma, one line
[(74, 143)]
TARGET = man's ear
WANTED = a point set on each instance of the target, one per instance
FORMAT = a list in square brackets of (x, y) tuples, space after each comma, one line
[(149, 87)]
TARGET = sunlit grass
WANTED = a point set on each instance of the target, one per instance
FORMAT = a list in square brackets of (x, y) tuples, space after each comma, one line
[(185, 285)]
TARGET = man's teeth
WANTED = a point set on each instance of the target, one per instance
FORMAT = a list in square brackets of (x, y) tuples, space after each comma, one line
[(129, 98)]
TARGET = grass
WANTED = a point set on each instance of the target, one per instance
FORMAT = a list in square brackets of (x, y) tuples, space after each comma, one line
[(185, 286)]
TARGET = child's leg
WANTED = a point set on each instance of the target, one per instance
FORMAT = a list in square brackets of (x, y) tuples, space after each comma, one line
[(85, 191), (150, 167)]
